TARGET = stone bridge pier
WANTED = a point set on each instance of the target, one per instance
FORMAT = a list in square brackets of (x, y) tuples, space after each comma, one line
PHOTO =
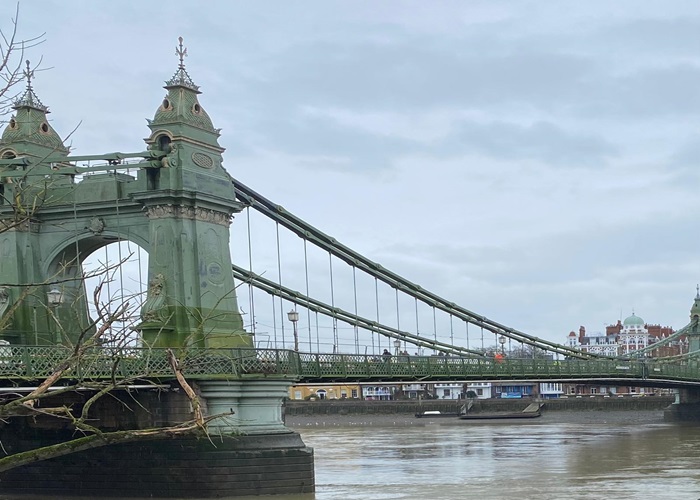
[(247, 452), (686, 408), (687, 405)]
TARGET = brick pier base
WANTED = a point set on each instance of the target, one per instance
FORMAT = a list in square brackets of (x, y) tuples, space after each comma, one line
[(174, 468)]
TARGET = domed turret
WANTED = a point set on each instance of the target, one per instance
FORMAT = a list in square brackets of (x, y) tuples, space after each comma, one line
[(181, 106), (28, 132), (695, 309), (633, 321), (183, 130)]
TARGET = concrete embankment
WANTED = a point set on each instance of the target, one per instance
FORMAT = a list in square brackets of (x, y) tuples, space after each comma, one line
[(358, 407)]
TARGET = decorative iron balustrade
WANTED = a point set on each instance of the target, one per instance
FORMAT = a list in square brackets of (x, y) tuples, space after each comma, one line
[(38, 362)]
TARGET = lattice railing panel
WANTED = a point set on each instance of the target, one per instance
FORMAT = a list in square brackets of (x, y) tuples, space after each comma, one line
[(32, 362)]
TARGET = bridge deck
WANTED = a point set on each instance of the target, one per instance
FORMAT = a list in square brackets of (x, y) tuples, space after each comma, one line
[(37, 362)]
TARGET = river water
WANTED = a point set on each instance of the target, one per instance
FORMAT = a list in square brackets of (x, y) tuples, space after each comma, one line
[(561, 455)]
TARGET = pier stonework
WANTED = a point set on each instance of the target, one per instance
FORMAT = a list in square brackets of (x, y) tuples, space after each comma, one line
[(237, 460), (176, 201), (686, 408)]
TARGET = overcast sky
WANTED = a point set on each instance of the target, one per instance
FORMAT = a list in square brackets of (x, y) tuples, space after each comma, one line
[(533, 161)]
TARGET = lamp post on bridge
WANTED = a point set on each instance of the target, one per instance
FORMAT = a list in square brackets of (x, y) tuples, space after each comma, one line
[(54, 298), (397, 346), (294, 317), (502, 341)]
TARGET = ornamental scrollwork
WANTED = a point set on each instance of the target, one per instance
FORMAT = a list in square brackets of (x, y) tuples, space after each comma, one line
[(96, 225), (192, 213)]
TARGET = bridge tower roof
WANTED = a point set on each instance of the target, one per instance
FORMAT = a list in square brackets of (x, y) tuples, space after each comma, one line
[(28, 132), (695, 308), (180, 112)]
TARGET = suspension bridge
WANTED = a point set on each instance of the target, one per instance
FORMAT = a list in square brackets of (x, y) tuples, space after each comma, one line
[(166, 285)]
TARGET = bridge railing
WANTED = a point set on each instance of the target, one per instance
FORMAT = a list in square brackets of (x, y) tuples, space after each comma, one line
[(339, 366), (36, 362)]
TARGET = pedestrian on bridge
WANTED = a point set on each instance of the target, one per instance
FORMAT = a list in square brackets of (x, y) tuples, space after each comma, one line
[(386, 355)]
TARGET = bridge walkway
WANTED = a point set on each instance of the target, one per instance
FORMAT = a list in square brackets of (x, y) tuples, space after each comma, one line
[(38, 362)]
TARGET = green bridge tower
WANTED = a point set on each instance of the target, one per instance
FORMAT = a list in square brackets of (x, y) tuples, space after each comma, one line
[(176, 201)]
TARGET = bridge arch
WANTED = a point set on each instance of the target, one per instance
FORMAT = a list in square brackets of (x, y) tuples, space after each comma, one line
[(79, 247)]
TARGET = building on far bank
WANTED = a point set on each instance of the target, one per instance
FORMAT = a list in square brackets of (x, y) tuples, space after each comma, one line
[(416, 391), (483, 390), (551, 390), (628, 336), (622, 338), (374, 392), (449, 390), (505, 390), (324, 391)]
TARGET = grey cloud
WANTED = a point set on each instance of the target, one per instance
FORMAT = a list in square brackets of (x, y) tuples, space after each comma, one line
[(368, 152), (541, 141), (679, 36), (313, 137), (417, 73), (648, 93), (573, 255), (688, 154)]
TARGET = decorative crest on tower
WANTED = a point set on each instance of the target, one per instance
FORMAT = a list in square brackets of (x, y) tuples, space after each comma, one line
[(697, 291), (181, 78), (181, 52), (29, 98)]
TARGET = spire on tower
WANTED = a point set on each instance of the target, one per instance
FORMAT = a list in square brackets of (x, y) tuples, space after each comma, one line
[(181, 78), (29, 98)]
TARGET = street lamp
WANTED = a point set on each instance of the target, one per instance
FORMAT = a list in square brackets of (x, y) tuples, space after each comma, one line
[(397, 346), (55, 298), (294, 317), (502, 341)]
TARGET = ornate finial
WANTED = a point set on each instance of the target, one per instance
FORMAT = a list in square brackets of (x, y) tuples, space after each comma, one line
[(28, 74), (29, 98), (697, 291), (181, 53), (181, 78)]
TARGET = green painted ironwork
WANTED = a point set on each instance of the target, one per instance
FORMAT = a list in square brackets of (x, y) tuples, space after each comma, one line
[(175, 201), (38, 362)]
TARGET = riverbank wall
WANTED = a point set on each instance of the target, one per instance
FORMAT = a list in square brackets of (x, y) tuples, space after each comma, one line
[(359, 407)]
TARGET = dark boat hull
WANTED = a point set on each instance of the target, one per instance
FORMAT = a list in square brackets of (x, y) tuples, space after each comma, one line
[(494, 416)]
